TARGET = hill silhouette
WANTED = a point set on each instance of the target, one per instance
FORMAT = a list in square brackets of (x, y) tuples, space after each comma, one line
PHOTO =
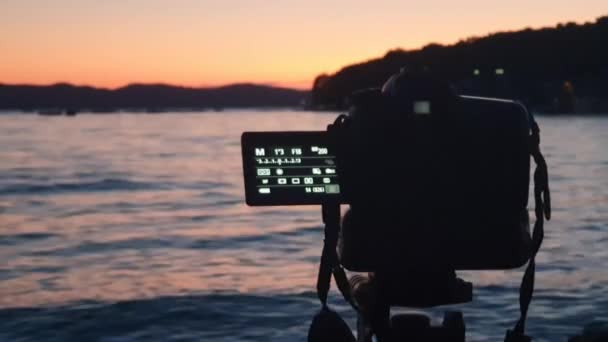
[(151, 97), (559, 69)]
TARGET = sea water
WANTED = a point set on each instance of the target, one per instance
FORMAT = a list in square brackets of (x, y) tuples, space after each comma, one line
[(124, 227)]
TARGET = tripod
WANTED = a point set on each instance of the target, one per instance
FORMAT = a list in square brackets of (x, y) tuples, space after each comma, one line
[(373, 296)]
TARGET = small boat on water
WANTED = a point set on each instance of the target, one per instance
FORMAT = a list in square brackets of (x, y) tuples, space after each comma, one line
[(50, 112), (58, 112)]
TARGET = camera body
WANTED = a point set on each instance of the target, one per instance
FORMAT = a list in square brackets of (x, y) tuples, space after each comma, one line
[(448, 188), (434, 180)]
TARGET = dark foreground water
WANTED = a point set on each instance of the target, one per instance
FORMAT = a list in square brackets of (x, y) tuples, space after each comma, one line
[(132, 227)]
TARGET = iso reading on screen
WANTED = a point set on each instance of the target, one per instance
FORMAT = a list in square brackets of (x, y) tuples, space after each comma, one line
[(289, 168)]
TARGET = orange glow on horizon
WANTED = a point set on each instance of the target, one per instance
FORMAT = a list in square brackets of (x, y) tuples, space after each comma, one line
[(217, 42)]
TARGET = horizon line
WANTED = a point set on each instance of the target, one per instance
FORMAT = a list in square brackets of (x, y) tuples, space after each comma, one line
[(167, 84)]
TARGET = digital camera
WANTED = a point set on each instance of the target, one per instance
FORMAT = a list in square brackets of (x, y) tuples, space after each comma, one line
[(434, 180)]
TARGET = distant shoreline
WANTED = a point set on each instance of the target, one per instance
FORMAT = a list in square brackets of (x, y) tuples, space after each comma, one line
[(149, 98), (295, 110)]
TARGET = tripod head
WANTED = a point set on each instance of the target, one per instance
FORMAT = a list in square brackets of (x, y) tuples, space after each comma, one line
[(372, 296)]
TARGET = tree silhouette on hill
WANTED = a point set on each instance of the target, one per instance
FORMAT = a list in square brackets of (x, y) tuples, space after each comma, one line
[(540, 67)]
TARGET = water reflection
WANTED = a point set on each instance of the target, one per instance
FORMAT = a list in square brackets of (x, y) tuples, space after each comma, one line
[(125, 206)]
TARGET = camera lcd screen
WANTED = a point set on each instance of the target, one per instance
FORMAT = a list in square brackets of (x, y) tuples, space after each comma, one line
[(289, 168)]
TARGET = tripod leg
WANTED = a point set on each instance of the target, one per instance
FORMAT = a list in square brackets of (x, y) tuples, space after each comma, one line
[(364, 330), (381, 322)]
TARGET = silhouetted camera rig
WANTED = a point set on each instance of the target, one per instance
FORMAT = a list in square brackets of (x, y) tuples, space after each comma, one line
[(436, 182)]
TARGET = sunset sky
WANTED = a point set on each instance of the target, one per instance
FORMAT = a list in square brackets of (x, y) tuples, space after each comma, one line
[(111, 43)]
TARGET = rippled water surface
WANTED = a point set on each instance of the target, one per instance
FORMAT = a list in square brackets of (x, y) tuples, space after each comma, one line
[(132, 227)]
